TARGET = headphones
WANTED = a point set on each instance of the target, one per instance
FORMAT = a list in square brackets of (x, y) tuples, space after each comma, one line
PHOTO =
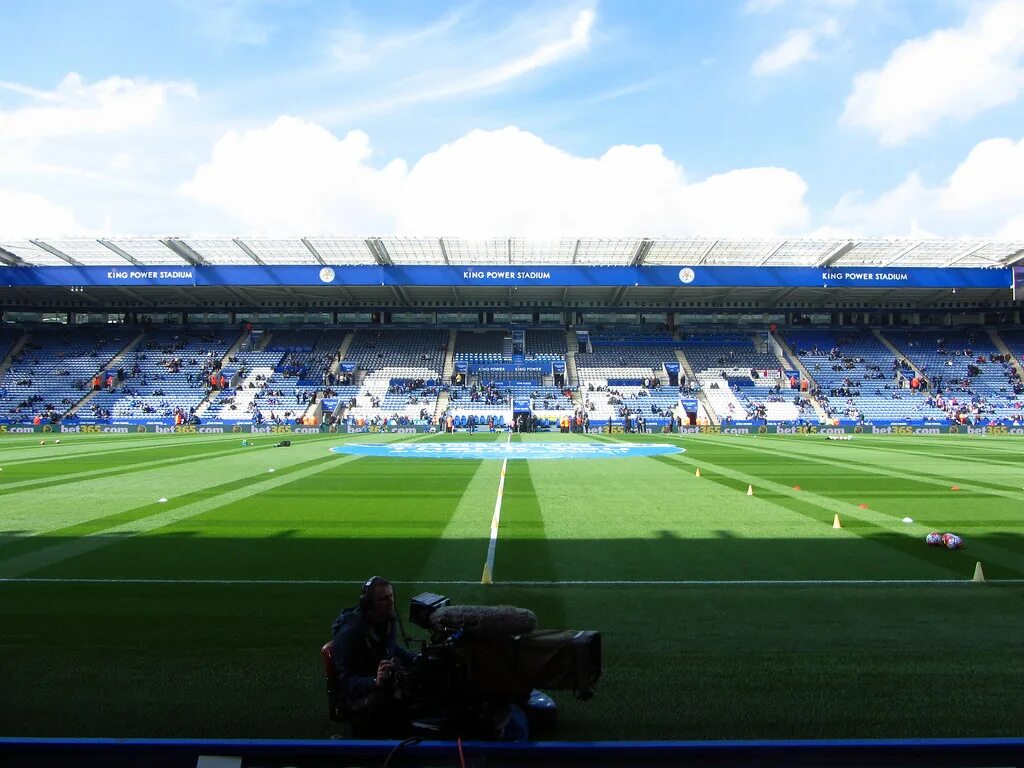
[(366, 596)]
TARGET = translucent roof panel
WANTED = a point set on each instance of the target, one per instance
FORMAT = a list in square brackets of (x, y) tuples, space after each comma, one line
[(414, 250), (350, 250), (740, 252), (933, 253), (477, 251), (543, 251), (609, 253), (999, 251), (996, 253), (802, 253), (220, 252), (873, 253), (281, 251), (677, 251), (32, 254), (88, 252), (150, 252)]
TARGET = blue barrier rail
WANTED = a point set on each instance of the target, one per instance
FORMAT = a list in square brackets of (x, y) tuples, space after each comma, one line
[(979, 752)]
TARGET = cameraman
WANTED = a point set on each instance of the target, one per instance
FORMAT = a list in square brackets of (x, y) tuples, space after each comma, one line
[(365, 651)]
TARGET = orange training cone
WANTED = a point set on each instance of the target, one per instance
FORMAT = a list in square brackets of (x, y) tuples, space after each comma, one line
[(835, 521), (955, 488), (862, 506), (796, 487)]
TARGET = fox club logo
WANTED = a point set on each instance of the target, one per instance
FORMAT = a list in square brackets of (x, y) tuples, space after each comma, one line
[(326, 275), (686, 275)]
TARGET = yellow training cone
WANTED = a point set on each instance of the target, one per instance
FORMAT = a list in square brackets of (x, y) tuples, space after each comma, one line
[(486, 578), (836, 522), (697, 473), (750, 490), (979, 575)]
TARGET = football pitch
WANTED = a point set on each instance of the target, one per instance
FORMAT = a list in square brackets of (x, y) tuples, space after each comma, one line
[(182, 585)]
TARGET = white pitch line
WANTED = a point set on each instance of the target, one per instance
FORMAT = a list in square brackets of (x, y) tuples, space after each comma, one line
[(523, 583), (492, 545)]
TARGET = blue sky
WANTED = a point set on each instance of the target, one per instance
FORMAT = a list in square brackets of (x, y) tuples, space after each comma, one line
[(603, 118)]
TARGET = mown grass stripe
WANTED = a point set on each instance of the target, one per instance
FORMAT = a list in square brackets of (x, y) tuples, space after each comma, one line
[(526, 549), (116, 527), (995, 552), (865, 517), (809, 507), (996, 489), (123, 469), (78, 446), (23, 544), (468, 519), (40, 510), (919, 475), (982, 457), (103, 537), (76, 449), (492, 544)]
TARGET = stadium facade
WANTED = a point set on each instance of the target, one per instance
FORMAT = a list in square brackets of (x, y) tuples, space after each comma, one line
[(432, 333)]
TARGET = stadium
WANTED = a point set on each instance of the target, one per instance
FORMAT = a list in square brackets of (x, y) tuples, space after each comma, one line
[(535, 383), (726, 456)]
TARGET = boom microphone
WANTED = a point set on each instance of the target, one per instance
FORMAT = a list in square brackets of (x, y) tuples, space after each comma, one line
[(485, 620)]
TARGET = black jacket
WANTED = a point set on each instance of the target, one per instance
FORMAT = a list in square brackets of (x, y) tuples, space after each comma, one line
[(359, 648)]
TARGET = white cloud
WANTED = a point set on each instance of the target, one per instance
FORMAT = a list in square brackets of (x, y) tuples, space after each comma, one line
[(798, 46), (895, 213), (296, 177), (577, 40), (226, 22), (980, 198), (107, 106), (1013, 229), (354, 49), (422, 65), (24, 215), (989, 179), (762, 6), (768, 6), (95, 146), (952, 74), (544, 55)]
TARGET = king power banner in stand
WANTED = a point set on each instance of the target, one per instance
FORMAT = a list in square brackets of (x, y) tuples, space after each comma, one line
[(512, 275)]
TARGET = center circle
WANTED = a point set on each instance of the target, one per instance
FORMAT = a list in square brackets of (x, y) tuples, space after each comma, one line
[(508, 450)]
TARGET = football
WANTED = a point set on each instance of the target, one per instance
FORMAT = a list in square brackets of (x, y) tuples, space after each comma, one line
[(934, 539), (952, 541)]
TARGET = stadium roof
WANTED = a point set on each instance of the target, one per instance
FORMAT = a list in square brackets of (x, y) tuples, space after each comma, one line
[(369, 251), (691, 251)]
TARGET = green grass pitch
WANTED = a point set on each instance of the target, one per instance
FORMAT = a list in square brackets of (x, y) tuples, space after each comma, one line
[(202, 616)]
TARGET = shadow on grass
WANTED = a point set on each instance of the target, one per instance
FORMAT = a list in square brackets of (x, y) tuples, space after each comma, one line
[(241, 660), (664, 556)]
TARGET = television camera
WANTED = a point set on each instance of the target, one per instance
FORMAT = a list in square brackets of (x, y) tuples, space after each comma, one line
[(484, 667)]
